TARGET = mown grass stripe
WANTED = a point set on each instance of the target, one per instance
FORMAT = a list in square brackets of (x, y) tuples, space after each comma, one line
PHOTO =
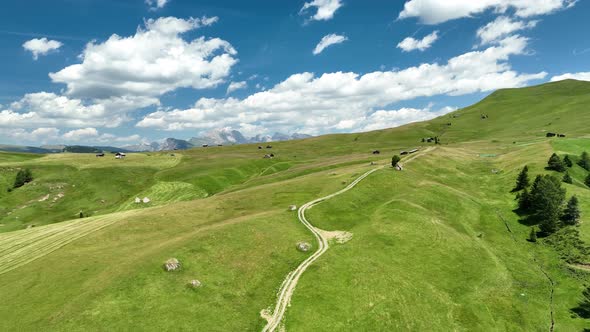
[(34, 244)]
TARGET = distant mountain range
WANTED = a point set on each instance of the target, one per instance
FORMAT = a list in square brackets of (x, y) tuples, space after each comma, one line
[(215, 137)]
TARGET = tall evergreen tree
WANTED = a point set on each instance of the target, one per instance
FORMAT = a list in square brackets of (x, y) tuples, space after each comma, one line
[(584, 161), (555, 163), (547, 199), (536, 182), (571, 214), (524, 201), (567, 178), (567, 161), (522, 181)]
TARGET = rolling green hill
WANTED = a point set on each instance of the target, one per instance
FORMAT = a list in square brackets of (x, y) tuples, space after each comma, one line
[(436, 247)]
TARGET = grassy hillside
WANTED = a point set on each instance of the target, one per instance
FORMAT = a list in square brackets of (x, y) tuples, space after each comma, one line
[(436, 247), (517, 115)]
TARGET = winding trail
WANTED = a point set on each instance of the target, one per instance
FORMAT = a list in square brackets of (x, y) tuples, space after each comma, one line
[(288, 286)]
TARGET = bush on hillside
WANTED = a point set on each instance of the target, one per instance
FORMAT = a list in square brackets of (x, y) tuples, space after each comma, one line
[(394, 160), (533, 235), (22, 177), (570, 247), (567, 178), (583, 308), (584, 161)]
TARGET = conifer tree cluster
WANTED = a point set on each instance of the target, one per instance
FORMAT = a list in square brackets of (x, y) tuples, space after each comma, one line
[(556, 164), (544, 203)]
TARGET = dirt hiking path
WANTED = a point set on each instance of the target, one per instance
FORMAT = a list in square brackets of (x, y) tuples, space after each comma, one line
[(288, 286)]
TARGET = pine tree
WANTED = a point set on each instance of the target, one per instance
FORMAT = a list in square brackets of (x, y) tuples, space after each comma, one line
[(546, 199), (567, 178), (584, 161), (522, 181), (587, 180), (524, 201), (571, 214), (533, 235), (555, 163), (536, 182), (567, 161)]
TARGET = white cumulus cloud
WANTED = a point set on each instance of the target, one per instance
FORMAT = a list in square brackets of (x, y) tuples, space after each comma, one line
[(41, 46), (80, 134), (86, 136), (154, 61), (437, 11), (233, 86), (410, 44), (582, 76), (325, 9), (156, 4), (382, 119), (38, 135), (329, 40), (43, 109), (345, 100), (501, 27)]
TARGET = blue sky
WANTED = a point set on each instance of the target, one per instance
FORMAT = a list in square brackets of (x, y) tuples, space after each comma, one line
[(122, 72)]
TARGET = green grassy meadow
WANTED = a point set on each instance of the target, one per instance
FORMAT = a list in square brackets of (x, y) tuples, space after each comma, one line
[(436, 247)]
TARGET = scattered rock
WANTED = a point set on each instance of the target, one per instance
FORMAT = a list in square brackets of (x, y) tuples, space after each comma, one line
[(171, 264), (146, 200), (44, 198), (194, 283), (292, 207), (303, 246), (137, 200), (30, 226), (58, 196), (339, 237)]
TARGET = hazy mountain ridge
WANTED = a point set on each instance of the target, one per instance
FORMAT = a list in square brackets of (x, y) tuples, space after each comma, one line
[(215, 137), (223, 136)]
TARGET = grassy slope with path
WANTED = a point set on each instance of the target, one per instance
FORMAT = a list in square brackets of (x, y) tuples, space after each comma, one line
[(431, 249)]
